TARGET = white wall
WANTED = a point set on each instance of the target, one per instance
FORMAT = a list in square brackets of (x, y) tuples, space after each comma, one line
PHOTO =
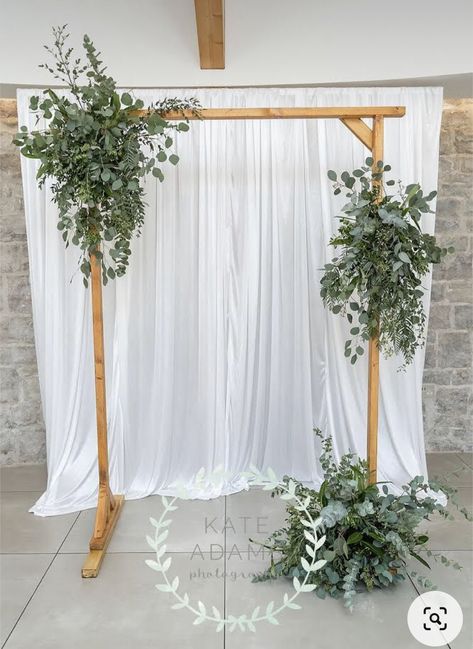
[(268, 42)]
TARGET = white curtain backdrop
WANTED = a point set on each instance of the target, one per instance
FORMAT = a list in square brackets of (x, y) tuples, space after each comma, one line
[(218, 348)]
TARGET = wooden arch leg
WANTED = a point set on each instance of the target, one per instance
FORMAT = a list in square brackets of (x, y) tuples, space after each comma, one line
[(373, 359), (373, 139), (107, 516), (108, 505)]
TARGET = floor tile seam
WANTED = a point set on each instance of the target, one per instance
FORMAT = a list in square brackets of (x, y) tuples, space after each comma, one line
[(38, 585)]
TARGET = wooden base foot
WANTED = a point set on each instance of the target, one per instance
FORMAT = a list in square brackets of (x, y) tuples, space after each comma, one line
[(95, 557)]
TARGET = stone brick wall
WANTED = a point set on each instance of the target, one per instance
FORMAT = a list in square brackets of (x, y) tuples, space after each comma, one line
[(448, 374), (22, 436), (448, 381)]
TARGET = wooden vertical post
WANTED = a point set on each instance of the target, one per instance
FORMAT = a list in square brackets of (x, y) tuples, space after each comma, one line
[(373, 353), (108, 505), (100, 393)]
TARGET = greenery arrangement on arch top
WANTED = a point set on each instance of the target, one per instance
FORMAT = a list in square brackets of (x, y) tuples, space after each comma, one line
[(370, 535), (376, 280), (97, 150)]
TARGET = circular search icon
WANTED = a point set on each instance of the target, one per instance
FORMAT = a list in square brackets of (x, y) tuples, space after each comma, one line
[(435, 618)]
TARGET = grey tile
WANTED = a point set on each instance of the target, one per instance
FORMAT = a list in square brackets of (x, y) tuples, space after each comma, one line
[(195, 522), (445, 466), (254, 515), (451, 535), (120, 609), (378, 620), (467, 458), (20, 574), (24, 532), (28, 477), (455, 583)]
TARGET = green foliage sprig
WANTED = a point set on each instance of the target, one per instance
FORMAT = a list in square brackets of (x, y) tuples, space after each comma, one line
[(370, 534), (376, 280), (97, 150)]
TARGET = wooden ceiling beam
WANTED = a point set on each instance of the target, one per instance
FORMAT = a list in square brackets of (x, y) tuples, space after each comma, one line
[(209, 15)]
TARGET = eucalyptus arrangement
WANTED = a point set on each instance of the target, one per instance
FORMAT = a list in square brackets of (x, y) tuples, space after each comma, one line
[(97, 148), (376, 280), (370, 534)]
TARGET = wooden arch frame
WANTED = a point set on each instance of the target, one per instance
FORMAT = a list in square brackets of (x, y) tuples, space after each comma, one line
[(109, 505)]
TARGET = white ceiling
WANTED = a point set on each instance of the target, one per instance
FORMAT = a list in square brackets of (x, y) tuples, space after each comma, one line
[(268, 42)]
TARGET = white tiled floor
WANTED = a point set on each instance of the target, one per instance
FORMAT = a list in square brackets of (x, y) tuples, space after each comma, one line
[(378, 620), (45, 604)]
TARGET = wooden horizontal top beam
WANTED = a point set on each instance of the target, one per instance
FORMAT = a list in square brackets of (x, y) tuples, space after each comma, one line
[(287, 113), (8, 106)]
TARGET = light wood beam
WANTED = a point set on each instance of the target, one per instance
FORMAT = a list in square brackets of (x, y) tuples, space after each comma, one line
[(108, 505), (360, 130), (209, 15), (373, 352), (342, 112), (285, 113)]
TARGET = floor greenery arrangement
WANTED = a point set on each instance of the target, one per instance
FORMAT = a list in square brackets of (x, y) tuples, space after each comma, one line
[(370, 533)]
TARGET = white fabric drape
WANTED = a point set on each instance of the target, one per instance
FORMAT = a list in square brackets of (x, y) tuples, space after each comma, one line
[(218, 348)]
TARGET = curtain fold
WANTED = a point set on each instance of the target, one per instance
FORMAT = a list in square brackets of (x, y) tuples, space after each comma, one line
[(218, 348)]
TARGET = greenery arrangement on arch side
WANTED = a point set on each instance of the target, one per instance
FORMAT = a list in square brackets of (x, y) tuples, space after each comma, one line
[(376, 280), (269, 612), (370, 534), (97, 150)]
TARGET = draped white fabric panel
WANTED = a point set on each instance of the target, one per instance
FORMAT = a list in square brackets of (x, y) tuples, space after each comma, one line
[(219, 350)]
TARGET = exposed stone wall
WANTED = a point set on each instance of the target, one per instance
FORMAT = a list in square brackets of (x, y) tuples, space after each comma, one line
[(448, 374), (22, 436), (448, 381)]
